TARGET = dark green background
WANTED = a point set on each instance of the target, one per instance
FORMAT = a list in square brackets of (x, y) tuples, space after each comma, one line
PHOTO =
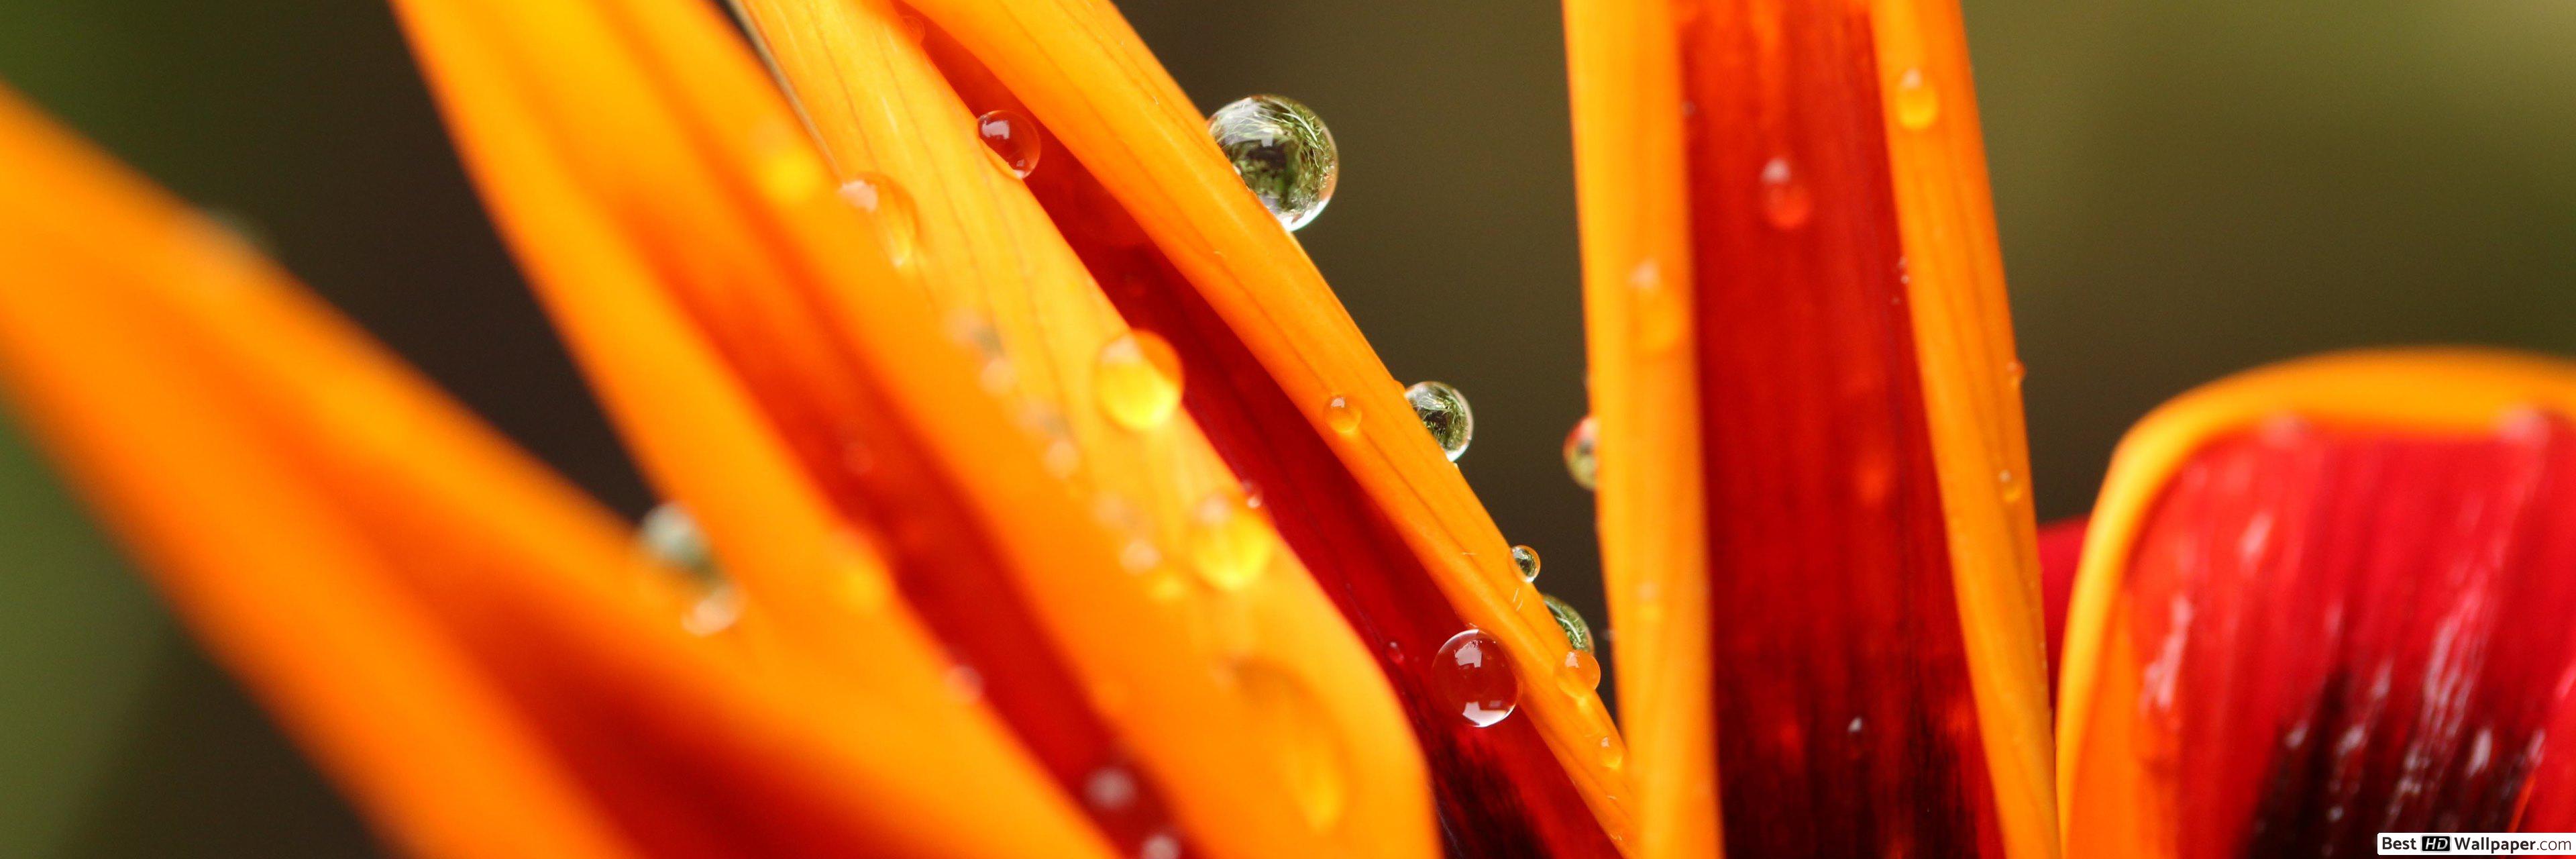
[(2185, 189)]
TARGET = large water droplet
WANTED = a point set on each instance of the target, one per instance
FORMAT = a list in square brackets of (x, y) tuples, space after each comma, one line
[(1578, 635), (1444, 412), (1230, 545), (1471, 673), (1290, 722), (1342, 415), (1785, 201), (1579, 458), (1138, 380), (1163, 844), (898, 228), (1283, 153), (1013, 139), (1526, 559), (1917, 102)]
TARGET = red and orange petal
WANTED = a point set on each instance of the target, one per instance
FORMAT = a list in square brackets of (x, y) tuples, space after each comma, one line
[(2325, 600), (751, 309), (1812, 485), (1132, 203), (471, 649)]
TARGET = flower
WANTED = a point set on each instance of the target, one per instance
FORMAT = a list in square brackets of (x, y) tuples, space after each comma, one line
[(1056, 508)]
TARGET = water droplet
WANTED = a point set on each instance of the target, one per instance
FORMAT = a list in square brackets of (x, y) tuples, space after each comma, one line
[(1283, 153), (2012, 488), (672, 536), (1012, 138), (1230, 545), (1471, 673), (1578, 635), (1785, 201), (1109, 788), (1526, 558), (715, 611), (1578, 672), (1292, 723), (1917, 102), (965, 683), (1444, 412), (1579, 458), (1659, 314), (1342, 415), (1160, 845), (1138, 380), (1611, 751), (898, 229), (2013, 372)]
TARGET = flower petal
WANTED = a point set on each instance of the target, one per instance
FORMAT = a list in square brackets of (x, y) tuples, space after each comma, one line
[(1812, 473), (2325, 600), (470, 647), (685, 236), (1371, 506)]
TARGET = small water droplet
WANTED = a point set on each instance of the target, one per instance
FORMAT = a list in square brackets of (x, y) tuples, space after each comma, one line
[(1578, 672), (1917, 102), (965, 683), (671, 535), (1293, 724), (715, 611), (1342, 415), (1785, 201), (1611, 751), (1580, 461), (1109, 788), (1283, 153), (2012, 489), (2013, 372), (1659, 314), (1160, 845), (1444, 412), (1526, 559), (1012, 138), (1471, 673), (898, 228), (1230, 545), (1578, 634), (1138, 380)]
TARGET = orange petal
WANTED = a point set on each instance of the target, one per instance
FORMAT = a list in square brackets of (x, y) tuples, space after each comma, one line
[(687, 240), (2305, 611), (473, 650), (1371, 506), (1809, 431), (985, 252)]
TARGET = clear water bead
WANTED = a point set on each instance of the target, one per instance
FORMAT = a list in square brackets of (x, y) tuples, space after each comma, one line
[(1342, 415), (672, 536), (1013, 139), (1444, 412), (1579, 458), (1472, 674), (898, 229), (1138, 380), (1282, 151), (1526, 559), (1578, 635)]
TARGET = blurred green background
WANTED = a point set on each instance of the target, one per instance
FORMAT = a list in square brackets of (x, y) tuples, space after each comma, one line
[(2185, 188)]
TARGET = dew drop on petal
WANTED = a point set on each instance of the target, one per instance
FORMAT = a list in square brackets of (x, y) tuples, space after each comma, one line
[(1342, 415), (1444, 412), (1013, 139), (1526, 559), (1579, 459), (672, 536), (1138, 380), (1160, 845), (1109, 788), (1471, 673), (1578, 634), (897, 225), (1785, 201), (1230, 544), (1917, 102), (1578, 672), (1659, 313), (1291, 722), (1610, 751), (1283, 153)]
